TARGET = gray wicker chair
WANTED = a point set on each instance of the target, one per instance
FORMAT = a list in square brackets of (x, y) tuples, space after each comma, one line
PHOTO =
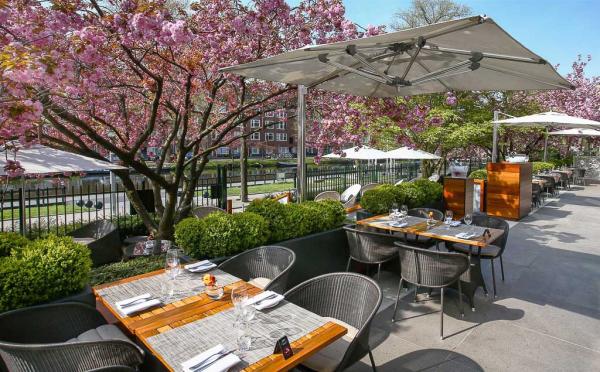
[(367, 187), (267, 267), (491, 252), (103, 240), (348, 197), (43, 338), (349, 297), (423, 213), (370, 247), (203, 211), (431, 269), (328, 195)]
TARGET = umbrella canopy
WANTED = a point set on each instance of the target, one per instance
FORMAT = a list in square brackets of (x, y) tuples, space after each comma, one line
[(575, 132), (466, 54), (359, 153), (549, 119), (407, 153), (40, 159)]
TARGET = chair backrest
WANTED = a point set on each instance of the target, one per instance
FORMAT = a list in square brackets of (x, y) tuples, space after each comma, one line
[(350, 192), (203, 211), (270, 261), (368, 246), (95, 229), (350, 297), (399, 182), (367, 187), (434, 177), (536, 188), (494, 223), (424, 213), (328, 195), (429, 268)]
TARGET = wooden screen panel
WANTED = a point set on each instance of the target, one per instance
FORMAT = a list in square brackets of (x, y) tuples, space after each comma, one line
[(509, 190), (458, 196)]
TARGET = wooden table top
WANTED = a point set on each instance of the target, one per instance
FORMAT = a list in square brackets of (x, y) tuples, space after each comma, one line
[(421, 229), (161, 319)]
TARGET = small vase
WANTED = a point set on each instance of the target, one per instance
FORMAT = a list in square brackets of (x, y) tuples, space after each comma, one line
[(214, 292)]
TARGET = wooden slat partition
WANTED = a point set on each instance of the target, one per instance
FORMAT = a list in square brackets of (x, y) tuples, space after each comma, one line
[(509, 190), (458, 196)]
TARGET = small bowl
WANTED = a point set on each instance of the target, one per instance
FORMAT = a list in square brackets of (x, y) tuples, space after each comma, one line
[(214, 292)]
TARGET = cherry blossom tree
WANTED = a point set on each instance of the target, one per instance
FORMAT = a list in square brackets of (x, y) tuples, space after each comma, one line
[(118, 76)]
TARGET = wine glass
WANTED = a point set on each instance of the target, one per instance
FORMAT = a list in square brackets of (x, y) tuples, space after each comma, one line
[(448, 219), (394, 211), (403, 211), (239, 295), (172, 263), (468, 219)]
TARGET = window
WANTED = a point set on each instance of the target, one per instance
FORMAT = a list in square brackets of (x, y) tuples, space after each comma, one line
[(284, 150), (281, 114), (269, 136), (281, 136), (280, 125), (270, 114), (223, 151), (255, 123), (255, 136), (254, 151)]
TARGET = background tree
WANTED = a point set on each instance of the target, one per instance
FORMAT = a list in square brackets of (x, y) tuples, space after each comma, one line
[(427, 12)]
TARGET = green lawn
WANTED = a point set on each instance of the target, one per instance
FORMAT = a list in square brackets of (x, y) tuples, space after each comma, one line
[(262, 189), (33, 212)]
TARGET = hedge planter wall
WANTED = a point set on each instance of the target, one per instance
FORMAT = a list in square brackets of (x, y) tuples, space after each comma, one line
[(41, 271), (414, 194)]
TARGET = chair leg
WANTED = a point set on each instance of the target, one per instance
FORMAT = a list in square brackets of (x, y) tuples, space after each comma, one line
[(372, 361), (397, 299), (416, 291), (462, 311), (442, 316), (502, 268), (348, 264), (378, 272), (493, 276)]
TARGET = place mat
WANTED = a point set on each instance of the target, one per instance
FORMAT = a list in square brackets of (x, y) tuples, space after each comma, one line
[(410, 220), (445, 230), (178, 345), (186, 285)]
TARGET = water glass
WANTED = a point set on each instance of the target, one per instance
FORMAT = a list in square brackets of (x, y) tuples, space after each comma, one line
[(403, 212), (468, 219), (448, 219), (239, 295), (172, 263)]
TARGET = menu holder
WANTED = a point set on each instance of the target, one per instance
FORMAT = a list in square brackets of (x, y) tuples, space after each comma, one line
[(282, 346)]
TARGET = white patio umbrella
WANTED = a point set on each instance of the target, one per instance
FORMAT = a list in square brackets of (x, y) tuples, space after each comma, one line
[(406, 153), (359, 153), (546, 120), (40, 159), (576, 132), (466, 54)]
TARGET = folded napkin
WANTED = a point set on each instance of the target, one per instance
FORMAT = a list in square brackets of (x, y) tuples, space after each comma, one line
[(465, 235), (276, 298), (455, 223), (397, 224), (200, 266), (138, 303), (220, 365)]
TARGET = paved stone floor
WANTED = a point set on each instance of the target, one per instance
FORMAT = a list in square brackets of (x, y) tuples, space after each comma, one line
[(546, 316)]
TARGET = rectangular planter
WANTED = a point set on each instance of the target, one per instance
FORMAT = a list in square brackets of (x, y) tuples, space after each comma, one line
[(317, 254)]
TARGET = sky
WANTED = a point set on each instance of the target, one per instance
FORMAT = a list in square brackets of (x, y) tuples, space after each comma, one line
[(556, 30)]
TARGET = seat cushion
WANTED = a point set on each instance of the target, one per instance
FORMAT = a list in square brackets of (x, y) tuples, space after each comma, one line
[(104, 332), (327, 359), (491, 251), (261, 283)]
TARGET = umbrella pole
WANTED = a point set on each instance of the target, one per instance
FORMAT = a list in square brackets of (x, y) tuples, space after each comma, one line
[(495, 138), (301, 143), (546, 144)]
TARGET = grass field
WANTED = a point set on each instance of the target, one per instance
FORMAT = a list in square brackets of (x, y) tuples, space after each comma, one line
[(262, 189), (51, 210)]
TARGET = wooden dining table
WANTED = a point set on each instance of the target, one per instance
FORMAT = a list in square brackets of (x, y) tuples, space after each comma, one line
[(169, 317), (440, 232)]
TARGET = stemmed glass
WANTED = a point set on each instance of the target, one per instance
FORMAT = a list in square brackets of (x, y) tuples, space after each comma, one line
[(403, 212), (394, 212), (449, 215), (244, 313), (172, 270), (468, 219)]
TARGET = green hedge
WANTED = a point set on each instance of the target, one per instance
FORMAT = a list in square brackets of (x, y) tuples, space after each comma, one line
[(11, 240), (540, 166), (43, 270), (124, 269), (413, 194), (221, 234), (480, 174)]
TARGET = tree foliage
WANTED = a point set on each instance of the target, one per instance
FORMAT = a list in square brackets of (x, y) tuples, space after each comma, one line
[(427, 12)]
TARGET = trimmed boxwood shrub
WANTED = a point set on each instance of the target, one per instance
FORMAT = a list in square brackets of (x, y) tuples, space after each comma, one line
[(221, 234), (413, 194), (480, 174), (540, 166), (124, 269), (276, 216), (11, 240), (44, 270)]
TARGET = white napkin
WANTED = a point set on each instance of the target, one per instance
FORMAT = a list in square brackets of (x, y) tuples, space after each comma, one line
[(222, 364), (465, 235), (455, 223), (200, 266), (141, 305), (261, 296), (397, 224)]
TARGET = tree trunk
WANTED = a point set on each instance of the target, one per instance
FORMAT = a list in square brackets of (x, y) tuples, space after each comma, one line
[(244, 170)]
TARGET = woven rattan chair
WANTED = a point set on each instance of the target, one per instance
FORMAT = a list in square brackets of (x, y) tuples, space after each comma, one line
[(370, 247), (348, 197), (63, 337), (536, 194), (491, 252), (346, 297), (367, 187), (431, 269), (103, 240), (203, 211), (423, 213), (550, 186), (400, 182), (328, 195), (267, 267)]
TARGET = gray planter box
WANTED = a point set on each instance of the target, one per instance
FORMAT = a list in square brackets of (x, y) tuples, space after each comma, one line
[(316, 254)]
